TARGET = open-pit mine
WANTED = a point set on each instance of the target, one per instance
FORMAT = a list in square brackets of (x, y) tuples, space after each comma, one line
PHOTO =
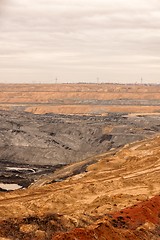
[(79, 162)]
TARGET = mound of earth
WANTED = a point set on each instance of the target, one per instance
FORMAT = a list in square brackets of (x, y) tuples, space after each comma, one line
[(105, 192), (141, 222)]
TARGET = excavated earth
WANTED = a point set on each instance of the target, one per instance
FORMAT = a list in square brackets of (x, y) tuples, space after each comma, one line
[(35, 145), (84, 166), (80, 99), (113, 198)]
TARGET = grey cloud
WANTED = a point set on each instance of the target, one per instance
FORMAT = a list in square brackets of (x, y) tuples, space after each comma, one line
[(82, 34), (73, 18)]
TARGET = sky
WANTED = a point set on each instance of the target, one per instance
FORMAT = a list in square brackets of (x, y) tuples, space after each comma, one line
[(48, 41)]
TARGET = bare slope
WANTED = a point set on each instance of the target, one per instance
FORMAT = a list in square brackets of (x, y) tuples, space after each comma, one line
[(113, 183), (141, 222), (33, 145)]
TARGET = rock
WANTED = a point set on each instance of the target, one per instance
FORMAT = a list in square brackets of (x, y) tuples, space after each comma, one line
[(40, 235), (28, 228)]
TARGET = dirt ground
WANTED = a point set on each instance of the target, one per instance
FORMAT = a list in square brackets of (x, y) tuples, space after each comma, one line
[(111, 194), (115, 182), (80, 98)]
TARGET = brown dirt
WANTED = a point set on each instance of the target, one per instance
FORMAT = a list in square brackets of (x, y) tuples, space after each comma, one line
[(70, 98), (80, 87), (139, 222), (91, 109), (113, 183)]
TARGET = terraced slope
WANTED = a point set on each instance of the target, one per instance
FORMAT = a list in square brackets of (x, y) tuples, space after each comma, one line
[(80, 99), (112, 183)]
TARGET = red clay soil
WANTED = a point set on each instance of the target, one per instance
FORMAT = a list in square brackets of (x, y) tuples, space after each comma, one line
[(140, 222), (140, 214)]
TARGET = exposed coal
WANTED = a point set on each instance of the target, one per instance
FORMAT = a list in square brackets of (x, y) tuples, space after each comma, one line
[(35, 145)]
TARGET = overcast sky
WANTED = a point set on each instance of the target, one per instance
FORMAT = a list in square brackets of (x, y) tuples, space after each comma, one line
[(80, 40)]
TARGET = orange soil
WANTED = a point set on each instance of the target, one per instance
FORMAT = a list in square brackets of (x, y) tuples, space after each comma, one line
[(69, 98), (116, 181), (80, 87), (49, 97), (46, 93), (139, 222), (91, 109)]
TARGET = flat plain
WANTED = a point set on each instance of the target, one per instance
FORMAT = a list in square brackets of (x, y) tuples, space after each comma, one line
[(80, 98)]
